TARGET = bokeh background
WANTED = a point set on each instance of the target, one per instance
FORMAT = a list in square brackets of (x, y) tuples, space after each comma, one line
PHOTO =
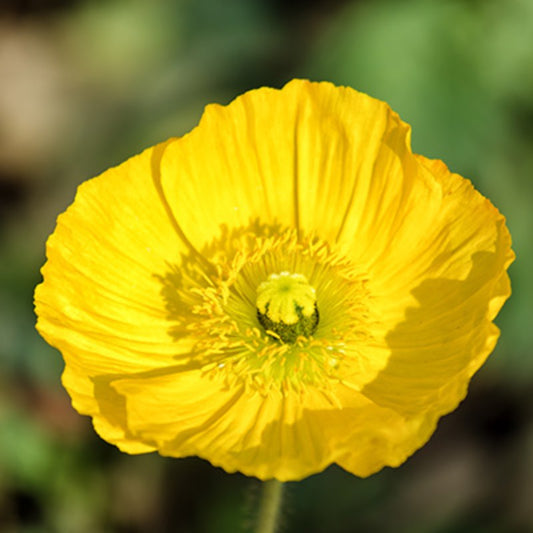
[(85, 84)]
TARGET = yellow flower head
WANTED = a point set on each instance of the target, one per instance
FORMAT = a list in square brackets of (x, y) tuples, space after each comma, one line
[(286, 287)]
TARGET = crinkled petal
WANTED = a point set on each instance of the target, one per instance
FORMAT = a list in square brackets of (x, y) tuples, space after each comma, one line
[(287, 436), (438, 298), (279, 156), (101, 303)]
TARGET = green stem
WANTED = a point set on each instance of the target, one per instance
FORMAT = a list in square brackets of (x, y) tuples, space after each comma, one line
[(270, 506)]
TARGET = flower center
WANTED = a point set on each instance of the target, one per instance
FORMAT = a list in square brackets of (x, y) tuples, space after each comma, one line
[(286, 306)]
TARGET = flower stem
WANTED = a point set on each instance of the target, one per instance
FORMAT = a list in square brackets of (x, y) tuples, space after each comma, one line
[(270, 506)]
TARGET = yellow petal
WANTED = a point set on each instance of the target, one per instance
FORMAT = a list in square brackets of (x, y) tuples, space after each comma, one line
[(286, 436), (301, 157), (101, 299), (105, 406), (439, 298)]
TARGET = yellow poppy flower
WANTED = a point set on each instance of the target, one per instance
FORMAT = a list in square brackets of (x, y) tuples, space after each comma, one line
[(286, 287)]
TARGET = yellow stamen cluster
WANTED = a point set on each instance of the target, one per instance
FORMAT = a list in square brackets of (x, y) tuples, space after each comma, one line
[(255, 315)]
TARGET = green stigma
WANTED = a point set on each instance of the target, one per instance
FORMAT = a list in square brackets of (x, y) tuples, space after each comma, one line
[(286, 306)]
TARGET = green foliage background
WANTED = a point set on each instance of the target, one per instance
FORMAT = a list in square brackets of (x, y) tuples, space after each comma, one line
[(86, 84)]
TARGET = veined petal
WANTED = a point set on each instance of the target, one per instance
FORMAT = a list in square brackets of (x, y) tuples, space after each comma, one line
[(277, 155), (440, 302), (183, 414), (101, 299), (107, 409)]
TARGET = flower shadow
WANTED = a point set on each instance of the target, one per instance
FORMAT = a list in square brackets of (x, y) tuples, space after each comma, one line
[(443, 340), (183, 282)]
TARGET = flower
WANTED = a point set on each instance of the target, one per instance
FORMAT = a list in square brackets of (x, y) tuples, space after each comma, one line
[(286, 287)]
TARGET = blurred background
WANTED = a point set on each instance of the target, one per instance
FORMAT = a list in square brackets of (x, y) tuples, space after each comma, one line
[(85, 84)]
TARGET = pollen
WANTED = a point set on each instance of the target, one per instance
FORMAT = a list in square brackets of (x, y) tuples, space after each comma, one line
[(286, 306)]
